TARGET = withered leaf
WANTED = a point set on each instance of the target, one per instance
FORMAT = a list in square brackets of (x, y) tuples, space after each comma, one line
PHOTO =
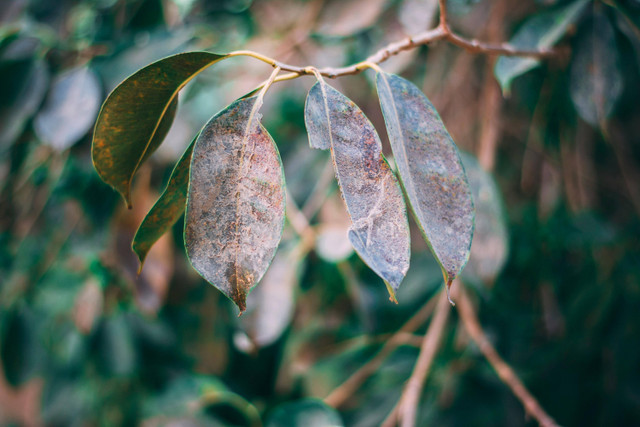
[(380, 230), (137, 116), (167, 210), (430, 171), (235, 205)]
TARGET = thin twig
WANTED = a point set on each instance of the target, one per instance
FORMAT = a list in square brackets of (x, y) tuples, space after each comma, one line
[(408, 404), (345, 390), (441, 32), (505, 372)]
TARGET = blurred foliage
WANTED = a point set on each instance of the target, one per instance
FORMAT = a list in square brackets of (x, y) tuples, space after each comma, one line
[(86, 341)]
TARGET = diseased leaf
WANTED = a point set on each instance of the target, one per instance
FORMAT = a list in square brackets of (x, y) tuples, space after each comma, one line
[(490, 246), (137, 115), (270, 306), (71, 108), (430, 170), (380, 230), (167, 210), (596, 80), (235, 205), (305, 412), (540, 31)]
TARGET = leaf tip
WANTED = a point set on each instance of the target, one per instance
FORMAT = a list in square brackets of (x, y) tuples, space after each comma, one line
[(392, 293), (448, 288)]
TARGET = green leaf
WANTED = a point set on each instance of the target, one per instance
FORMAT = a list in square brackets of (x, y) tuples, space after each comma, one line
[(596, 81), (71, 108), (167, 210), (305, 412), (235, 205), (490, 247), (137, 115), (379, 229), (430, 171), (541, 31)]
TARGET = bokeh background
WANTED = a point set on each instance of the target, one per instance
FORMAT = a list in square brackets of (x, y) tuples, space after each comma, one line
[(85, 341)]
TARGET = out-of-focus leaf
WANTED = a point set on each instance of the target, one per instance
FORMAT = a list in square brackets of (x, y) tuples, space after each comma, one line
[(88, 306), (21, 352), (417, 15), (305, 412), (380, 230), (345, 18), (117, 347), (631, 11), (23, 84), (167, 210), (430, 170), (539, 32), (596, 80), (490, 246), (191, 395), (235, 205), (137, 115), (70, 109), (270, 306)]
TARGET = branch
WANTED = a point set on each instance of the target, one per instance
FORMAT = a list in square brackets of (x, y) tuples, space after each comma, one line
[(507, 375), (408, 405), (441, 32), (345, 390)]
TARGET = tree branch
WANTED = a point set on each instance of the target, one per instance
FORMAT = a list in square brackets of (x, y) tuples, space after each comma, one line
[(345, 390), (441, 32), (507, 375)]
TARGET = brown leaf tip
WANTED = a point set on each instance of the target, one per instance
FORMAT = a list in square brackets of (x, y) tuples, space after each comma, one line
[(448, 287)]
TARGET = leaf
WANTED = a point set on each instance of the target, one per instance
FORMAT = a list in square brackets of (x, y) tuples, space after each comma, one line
[(305, 412), (137, 115), (430, 170), (167, 210), (23, 84), (380, 230), (71, 108), (235, 205), (270, 307), (345, 18), (541, 31), (490, 247), (595, 78)]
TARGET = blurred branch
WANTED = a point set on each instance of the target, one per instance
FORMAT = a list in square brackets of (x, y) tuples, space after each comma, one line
[(441, 32), (408, 404), (505, 372), (343, 392)]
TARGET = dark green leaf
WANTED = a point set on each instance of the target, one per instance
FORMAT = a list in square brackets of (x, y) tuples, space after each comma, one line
[(596, 80), (380, 230), (117, 346), (167, 210), (490, 246), (540, 31), (70, 109), (305, 412), (430, 170), (235, 206), (137, 115)]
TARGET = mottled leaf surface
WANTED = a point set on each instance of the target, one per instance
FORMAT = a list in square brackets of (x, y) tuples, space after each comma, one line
[(70, 109), (490, 246), (137, 115), (596, 80), (167, 210), (540, 31), (430, 171), (379, 231), (235, 206)]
